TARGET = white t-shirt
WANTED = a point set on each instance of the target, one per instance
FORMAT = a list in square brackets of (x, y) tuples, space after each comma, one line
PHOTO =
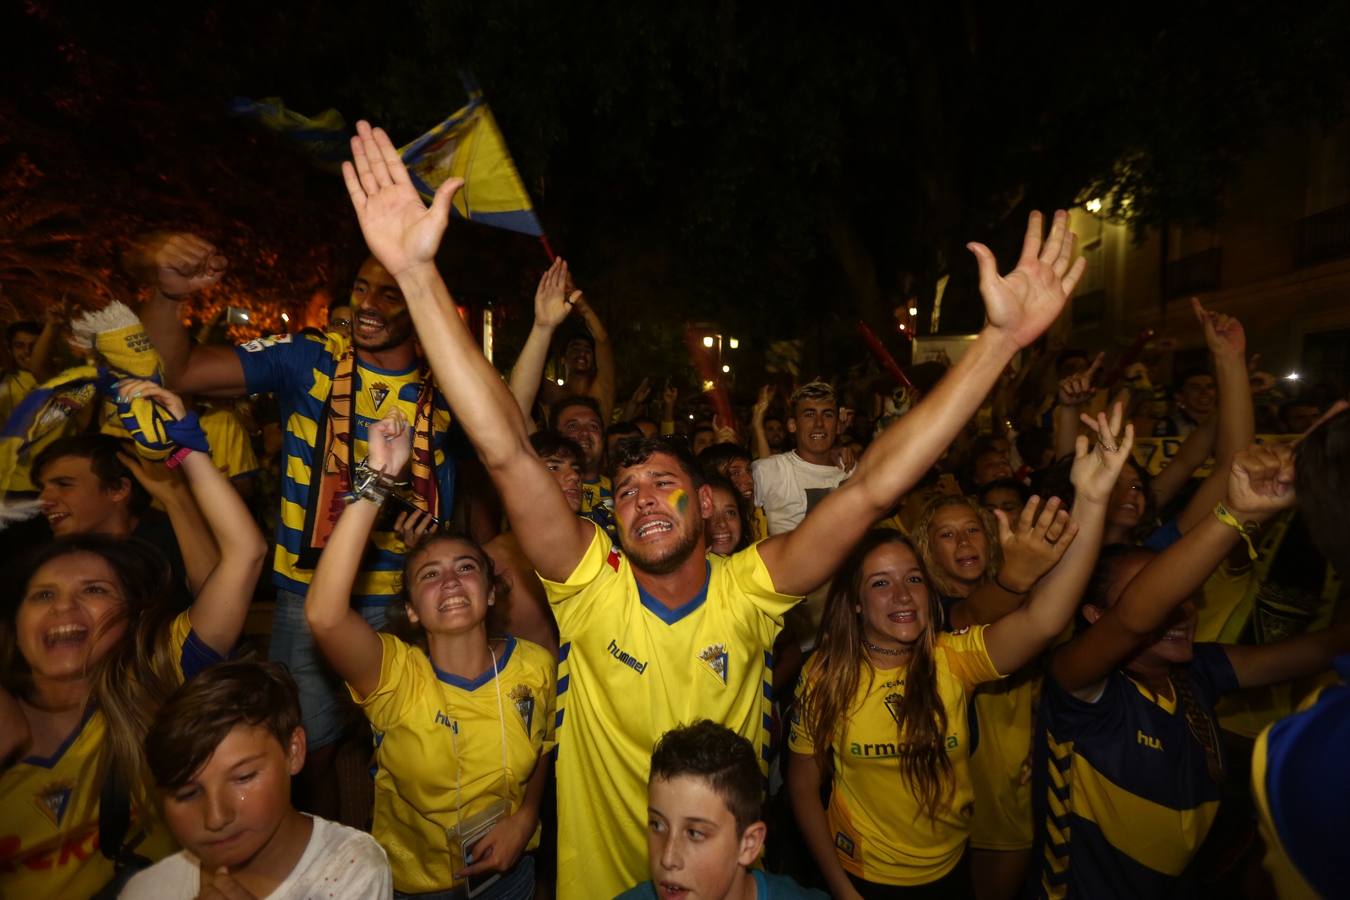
[(339, 862), (787, 486)]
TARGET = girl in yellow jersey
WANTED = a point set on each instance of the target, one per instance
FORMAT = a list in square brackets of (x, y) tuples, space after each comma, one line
[(462, 725), (982, 570), (98, 650), (884, 701)]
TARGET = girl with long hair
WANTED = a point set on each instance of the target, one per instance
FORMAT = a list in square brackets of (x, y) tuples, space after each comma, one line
[(1129, 763), (96, 647), (883, 702), (464, 718)]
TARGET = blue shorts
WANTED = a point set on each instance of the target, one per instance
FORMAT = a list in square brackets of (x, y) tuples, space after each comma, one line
[(326, 708)]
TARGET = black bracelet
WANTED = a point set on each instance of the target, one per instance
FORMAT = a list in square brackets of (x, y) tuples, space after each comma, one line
[(1003, 587)]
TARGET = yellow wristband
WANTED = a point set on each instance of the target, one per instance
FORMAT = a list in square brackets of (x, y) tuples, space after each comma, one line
[(1223, 515)]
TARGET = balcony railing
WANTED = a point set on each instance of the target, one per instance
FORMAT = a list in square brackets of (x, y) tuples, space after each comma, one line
[(1322, 236), (1193, 274)]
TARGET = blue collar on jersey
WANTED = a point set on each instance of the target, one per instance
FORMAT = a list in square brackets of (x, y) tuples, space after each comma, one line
[(671, 616), (473, 684)]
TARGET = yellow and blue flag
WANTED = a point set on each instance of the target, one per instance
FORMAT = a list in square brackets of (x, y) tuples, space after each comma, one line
[(469, 145), (325, 137)]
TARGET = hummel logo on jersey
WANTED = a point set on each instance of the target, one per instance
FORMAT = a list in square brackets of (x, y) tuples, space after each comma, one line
[(715, 658), (626, 659), (441, 719), (53, 800)]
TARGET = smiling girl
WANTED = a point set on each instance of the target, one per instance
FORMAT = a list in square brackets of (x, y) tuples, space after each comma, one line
[(462, 723), (884, 704), (99, 648)]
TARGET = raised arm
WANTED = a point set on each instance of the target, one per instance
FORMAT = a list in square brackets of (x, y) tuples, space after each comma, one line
[(1260, 484), (1198, 447), (760, 447), (221, 604), (348, 642), (551, 306), (196, 545), (1075, 393), (602, 389), (1237, 420), (1018, 637), (404, 235), (179, 265), (39, 361), (1019, 307)]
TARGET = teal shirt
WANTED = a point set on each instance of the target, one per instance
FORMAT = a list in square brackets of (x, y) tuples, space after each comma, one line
[(767, 887)]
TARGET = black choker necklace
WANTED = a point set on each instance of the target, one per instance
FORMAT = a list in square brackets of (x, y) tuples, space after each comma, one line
[(886, 651)]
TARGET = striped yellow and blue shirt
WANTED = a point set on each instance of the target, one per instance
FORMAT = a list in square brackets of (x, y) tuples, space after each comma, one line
[(298, 370), (1123, 793)]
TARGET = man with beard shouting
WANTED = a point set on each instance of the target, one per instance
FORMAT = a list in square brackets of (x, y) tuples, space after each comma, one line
[(330, 388), (658, 633)]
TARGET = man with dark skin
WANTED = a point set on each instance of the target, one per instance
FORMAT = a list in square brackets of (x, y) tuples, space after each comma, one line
[(379, 357), (622, 613)]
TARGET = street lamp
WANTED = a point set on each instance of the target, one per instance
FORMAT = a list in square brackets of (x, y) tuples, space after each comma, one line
[(708, 341), (735, 344)]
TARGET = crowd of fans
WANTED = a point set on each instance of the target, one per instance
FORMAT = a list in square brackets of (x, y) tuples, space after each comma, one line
[(1048, 624)]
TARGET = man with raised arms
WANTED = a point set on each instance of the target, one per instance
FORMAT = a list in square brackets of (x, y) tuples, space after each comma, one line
[(658, 633)]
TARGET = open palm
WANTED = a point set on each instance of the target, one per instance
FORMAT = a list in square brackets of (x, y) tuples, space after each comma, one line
[(1023, 303), (399, 228)]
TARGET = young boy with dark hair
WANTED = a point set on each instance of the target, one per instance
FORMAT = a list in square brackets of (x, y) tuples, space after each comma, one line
[(222, 751), (704, 829)]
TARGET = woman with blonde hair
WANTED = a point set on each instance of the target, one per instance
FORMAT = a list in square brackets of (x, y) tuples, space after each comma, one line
[(883, 701)]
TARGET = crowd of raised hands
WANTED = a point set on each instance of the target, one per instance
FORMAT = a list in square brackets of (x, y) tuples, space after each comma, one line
[(527, 639)]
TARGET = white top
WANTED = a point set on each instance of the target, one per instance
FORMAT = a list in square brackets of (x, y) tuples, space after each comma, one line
[(339, 862), (787, 486)]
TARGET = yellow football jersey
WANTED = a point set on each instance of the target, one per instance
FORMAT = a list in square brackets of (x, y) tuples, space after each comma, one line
[(49, 806), (434, 729), (880, 833), (13, 388), (630, 669), (231, 448), (1000, 764)]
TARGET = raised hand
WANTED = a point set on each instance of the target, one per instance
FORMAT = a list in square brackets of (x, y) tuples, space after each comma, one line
[(1261, 481), (552, 302), (1035, 545), (182, 263), (129, 389), (1023, 303), (160, 482), (1077, 389), (399, 228), (722, 432), (1223, 334), (1097, 464), (389, 444), (762, 403), (641, 392), (668, 398)]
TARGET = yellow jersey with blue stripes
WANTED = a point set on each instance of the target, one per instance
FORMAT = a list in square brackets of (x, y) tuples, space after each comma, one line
[(1123, 792), (1301, 785), (49, 805), (439, 738), (298, 370), (630, 669), (880, 833)]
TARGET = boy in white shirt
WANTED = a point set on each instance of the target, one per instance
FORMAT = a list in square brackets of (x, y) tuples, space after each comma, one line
[(222, 752), (789, 484)]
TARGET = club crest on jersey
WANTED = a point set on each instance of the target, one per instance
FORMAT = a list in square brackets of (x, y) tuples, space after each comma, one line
[(378, 391), (523, 698), (892, 702), (715, 658), (257, 345), (53, 800)]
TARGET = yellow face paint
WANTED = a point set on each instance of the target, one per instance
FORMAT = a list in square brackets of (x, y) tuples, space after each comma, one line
[(678, 500)]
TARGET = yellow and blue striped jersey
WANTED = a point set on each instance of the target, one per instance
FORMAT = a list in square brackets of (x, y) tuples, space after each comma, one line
[(434, 728), (630, 669), (298, 369), (880, 832), (1123, 792), (49, 806), (597, 504), (1301, 785)]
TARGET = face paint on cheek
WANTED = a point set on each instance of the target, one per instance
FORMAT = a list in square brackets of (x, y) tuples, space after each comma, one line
[(678, 500)]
